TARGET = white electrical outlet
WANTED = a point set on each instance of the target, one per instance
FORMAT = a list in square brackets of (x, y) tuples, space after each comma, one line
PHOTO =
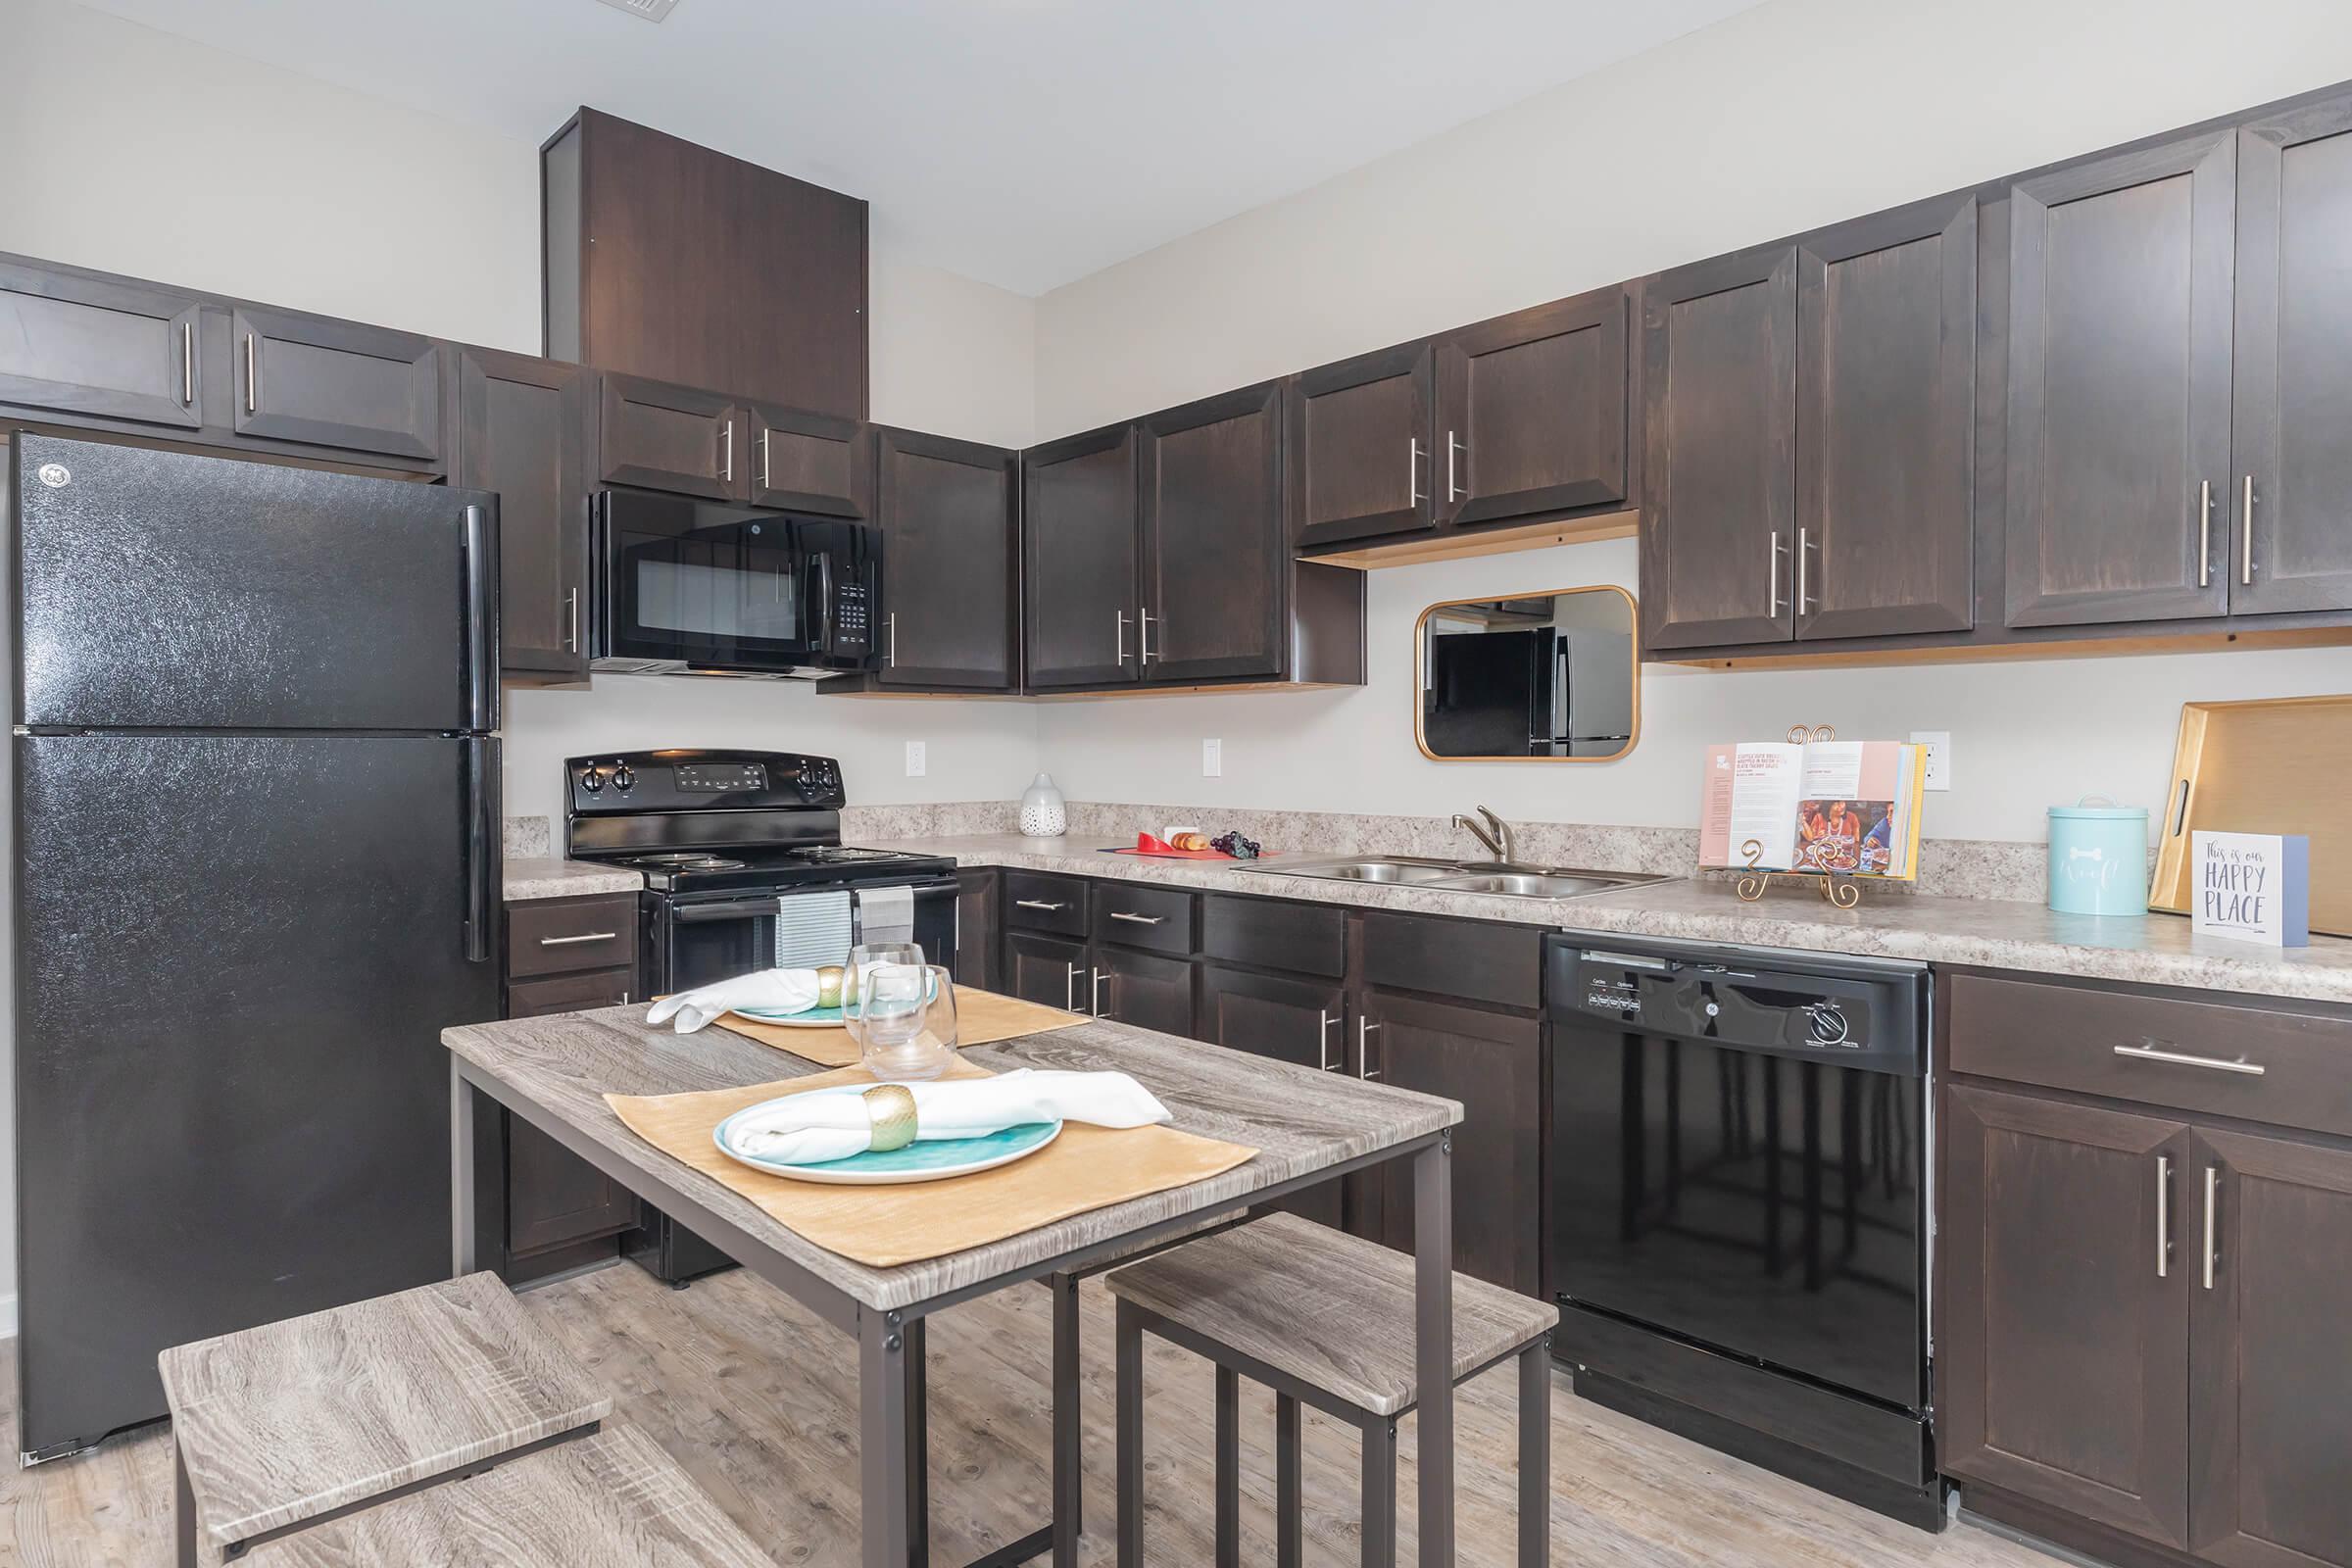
[(1212, 759), (1939, 743), (916, 761)]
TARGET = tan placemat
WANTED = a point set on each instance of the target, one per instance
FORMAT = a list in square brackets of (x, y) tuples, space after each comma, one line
[(882, 1227), (981, 1017)]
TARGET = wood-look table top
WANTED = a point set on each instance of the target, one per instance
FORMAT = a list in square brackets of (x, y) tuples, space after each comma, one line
[(555, 1072)]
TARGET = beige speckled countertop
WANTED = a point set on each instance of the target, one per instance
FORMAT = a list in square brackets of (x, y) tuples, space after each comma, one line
[(1986, 933), (529, 877)]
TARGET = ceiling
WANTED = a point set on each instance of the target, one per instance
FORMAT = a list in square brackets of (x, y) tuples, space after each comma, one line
[(1022, 142)]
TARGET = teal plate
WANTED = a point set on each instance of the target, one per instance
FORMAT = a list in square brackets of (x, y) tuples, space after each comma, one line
[(806, 1018), (924, 1160)]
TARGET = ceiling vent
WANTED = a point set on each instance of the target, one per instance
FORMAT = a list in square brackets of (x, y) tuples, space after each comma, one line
[(650, 9)]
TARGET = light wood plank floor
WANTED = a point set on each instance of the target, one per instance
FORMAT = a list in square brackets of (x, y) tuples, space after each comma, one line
[(757, 1400)]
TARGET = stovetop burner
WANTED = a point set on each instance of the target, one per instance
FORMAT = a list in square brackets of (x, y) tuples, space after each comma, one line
[(689, 861)]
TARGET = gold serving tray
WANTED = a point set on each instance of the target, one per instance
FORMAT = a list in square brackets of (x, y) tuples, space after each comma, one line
[(2283, 765)]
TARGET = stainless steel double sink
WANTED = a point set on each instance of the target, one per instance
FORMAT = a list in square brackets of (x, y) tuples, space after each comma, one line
[(1460, 876)]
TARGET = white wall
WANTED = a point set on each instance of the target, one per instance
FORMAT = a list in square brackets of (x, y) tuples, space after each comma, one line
[(1799, 113)]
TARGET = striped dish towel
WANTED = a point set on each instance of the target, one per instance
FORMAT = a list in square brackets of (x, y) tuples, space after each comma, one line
[(813, 928)]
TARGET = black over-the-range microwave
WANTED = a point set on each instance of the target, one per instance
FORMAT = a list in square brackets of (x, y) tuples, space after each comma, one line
[(701, 586)]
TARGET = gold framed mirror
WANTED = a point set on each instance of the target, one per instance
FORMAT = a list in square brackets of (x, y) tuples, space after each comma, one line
[(1548, 677)]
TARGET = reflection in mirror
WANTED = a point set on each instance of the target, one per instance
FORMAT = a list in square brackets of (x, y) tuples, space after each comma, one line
[(1548, 677)]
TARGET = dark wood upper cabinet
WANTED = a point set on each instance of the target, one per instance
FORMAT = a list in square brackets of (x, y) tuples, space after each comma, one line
[(802, 462), (1533, 412), (1885, 424), (662, 437), (2270, 1385), (330, 383), (2118, 386), (99, 349), (2293, 382), (523, 431), (668, 261), (1078, 542), (1214, 550), (2064, 1377), (1719, 469), (1362, 441), (950, 548)]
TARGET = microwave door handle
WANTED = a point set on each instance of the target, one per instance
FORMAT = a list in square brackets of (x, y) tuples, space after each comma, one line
[(823, 640)]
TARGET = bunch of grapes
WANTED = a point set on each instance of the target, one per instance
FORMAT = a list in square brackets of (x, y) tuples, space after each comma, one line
[(1235, 845)]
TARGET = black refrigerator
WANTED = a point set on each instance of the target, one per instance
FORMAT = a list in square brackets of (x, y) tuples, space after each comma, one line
[(256, 826)]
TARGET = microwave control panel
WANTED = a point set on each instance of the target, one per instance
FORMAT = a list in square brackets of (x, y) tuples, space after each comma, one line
[(853, 619)]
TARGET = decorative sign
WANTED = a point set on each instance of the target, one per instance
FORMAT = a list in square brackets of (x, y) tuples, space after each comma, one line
[(2253, 887)]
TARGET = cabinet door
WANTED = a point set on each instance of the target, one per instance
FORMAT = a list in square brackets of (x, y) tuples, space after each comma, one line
[(2291, 542), (100, 349), (1361, 440), (1047, 971), (336, 385), (1493, 1063), (2118, 386), (1290, 1019), (523, 431), (2271, 1378), (1215, 555), (1719, 467), (1532, 413), (555, 1197), (1885, 424), (803, 462), (1078, 539), (948, 553), (1142, 988), (2065, 1337), (663, 437), (979, 933)]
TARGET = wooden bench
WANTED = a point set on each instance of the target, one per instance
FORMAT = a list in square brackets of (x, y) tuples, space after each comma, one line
[(281, 1428), (611, 1500), (1324, 1319)]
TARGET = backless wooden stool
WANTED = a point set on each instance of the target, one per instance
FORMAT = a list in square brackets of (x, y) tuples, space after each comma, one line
[(1323, 1319)]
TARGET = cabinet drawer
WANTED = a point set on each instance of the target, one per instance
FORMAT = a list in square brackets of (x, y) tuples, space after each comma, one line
[(562, 936), (1270, 934), (2105, 1043), (571, 993), (1035, 901), (1132, 916), (1499, 964)]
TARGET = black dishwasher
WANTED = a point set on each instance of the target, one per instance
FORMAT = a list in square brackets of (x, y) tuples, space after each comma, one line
[(1739, 1240)]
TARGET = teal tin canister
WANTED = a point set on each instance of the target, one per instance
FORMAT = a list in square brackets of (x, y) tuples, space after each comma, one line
[(2100, 858)]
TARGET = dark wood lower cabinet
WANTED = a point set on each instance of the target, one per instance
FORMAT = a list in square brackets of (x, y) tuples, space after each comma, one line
[(979, 929), (1142, 988), (1046, 970), (1291, 1018)]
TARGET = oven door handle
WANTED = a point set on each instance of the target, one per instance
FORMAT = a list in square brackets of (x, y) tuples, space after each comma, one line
[(736, 909)]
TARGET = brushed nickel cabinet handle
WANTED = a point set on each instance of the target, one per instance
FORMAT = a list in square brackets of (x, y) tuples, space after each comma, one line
[(1364, 1028), (1773, 577), (1069, 989), (1804, 542), (1094, 994), (1037, 904), (1412, 472), (2245, 559), (624, 999), (188, 366), (1323, 1043), (253, 380), (726, 450), (766, 483), (1138, 919), (586, 936), (1122, 635), (2213, 1190), (2149, 1051), (2204, 533), (571, 637), (2164, 1214), (1453, 492), (1142, 635), (893, 655)]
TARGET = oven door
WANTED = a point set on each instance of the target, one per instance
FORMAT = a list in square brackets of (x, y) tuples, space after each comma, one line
[(696, 940), (1768, 1207), (687, 584)]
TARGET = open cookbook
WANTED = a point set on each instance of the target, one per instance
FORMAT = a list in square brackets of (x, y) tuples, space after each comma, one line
[(1850, 808)]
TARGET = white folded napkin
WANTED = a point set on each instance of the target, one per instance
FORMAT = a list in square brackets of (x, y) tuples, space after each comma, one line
[(771, 990), (807, 1129)]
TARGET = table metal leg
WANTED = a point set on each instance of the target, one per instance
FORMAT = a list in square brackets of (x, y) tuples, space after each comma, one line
[(1229, 1468), (1130, 1337), (1380, 1494), (1535, 1454), (882, 1440), (919, 1447), (1069, 1455), (1433, 1348), (1290, 1505), (461, 1173)]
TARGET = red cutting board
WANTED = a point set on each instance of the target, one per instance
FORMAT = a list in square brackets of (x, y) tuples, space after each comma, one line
[(1174, 855)]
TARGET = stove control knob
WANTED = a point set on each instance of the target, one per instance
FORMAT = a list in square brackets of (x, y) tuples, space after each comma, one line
[(1827, 1024), (623, 778), (590, 779)]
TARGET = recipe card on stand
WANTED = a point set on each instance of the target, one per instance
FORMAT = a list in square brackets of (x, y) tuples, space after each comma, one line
[(1846, 807), (2253, 887)]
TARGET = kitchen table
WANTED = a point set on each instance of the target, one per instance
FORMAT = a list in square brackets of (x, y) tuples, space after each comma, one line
[(1307, 1126)]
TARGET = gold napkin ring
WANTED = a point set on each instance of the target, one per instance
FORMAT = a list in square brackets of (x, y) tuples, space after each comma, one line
[(890, 1109)]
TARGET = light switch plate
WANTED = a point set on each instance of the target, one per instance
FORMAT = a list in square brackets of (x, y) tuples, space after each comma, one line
[(1939, 743), (916, 760), (1212, 759)]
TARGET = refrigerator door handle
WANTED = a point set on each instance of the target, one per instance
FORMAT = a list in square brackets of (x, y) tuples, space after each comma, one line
[(481, 618), (481, 845)]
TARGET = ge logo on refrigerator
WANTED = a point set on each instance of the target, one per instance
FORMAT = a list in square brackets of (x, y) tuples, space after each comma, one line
[(56, 475)]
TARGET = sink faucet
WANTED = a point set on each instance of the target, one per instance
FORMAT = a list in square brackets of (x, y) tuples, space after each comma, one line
[(1494, 833)]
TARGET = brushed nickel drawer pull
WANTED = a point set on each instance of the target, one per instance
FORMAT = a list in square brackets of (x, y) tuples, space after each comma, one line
[(2213, 1188), (2164, 1214), (1138, 919), (1038, 904), (566, 941), (2148, 1050)]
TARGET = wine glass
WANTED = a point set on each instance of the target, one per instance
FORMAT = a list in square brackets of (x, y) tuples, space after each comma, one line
[(907, 1021), (863, 961)]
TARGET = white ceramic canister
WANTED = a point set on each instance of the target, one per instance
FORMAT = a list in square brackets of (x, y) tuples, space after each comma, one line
[(1044, 812)]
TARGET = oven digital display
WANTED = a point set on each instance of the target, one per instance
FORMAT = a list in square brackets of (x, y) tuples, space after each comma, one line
[(719, 778)]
